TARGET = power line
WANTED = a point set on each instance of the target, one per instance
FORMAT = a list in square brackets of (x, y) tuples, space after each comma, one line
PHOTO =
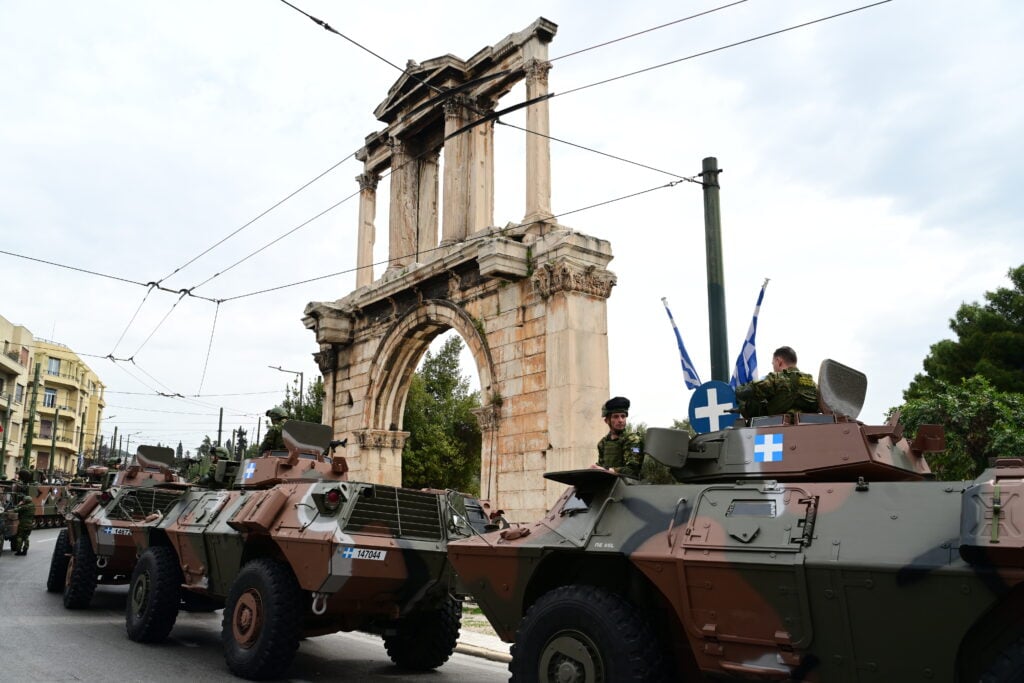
[(209, 348), (723, 47), (468, 240), (648, 30)]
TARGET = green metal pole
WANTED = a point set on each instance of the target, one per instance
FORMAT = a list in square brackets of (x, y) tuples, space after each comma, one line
[(113, 445), (31, 419), (53, 440), (7, 428), (716, 272)]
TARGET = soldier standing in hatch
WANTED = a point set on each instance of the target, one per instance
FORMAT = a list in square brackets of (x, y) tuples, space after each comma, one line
[(621, 450), (274, 440), (786, 390), (26, 519)]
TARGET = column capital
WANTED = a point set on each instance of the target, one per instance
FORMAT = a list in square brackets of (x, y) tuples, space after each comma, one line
[(455, 107), (368, 181), (537, 71)]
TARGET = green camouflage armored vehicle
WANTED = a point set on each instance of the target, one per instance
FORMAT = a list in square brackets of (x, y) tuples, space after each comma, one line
[(97, 547), (807, 547), (291, 548)]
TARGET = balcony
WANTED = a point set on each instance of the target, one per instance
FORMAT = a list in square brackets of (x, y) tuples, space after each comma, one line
[(9, 363), (68, 379)]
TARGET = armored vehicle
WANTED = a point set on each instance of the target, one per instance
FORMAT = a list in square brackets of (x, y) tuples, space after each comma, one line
[(48, 500), (806, 547), (97, 547), (291, 548)]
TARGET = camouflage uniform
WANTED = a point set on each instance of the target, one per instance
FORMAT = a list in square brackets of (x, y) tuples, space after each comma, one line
[(624, 454), (274, 440), (786, 391), (26, 520)]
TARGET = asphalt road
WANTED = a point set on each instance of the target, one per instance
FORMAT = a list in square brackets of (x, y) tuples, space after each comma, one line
[(42, 641)]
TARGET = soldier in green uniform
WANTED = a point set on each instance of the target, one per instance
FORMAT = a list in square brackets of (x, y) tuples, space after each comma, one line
[(274, 441), (26, 520), (620, 450), (786, 390), (217, 453)]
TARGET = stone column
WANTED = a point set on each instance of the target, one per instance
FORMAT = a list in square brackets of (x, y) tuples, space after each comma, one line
[(426, 220), (327, 360), (488, 416), (481, 172), (456, 173), (367, 231), (538, 147), (404, 190)]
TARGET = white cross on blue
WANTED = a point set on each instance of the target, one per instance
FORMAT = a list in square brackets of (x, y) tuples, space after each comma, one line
[(348, 553), (250, 470), (768, 448)]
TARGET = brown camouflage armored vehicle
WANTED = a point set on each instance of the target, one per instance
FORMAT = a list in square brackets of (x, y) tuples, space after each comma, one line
[(809, 547), (97, 547), (292, 549)]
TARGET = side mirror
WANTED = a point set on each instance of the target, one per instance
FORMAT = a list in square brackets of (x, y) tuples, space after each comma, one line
[(667, 446)]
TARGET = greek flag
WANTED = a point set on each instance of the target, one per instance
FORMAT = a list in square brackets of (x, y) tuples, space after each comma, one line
[(746, 362), (689, 372)]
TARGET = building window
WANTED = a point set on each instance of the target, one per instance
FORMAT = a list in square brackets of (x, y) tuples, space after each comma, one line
[(45, 429), (50, 399), (53, 367), (24, 356), (19, 392)]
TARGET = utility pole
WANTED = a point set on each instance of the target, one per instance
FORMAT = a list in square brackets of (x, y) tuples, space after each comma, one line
[(113, 443), (7, 427), (53, 439), (220, 425), (31, 419), (120, 446), (716, 272), (301, 383)]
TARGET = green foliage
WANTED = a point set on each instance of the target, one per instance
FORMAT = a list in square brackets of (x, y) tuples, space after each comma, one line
[(311, 407), (980, 421), (443, 448), (651, 471), (990, 343)]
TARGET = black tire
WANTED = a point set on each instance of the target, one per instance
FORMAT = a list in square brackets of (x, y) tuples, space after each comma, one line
[(262, 620), (585, 634), (1008, 666), (81, 574), (425, 640), (153, 596), (59, 563)]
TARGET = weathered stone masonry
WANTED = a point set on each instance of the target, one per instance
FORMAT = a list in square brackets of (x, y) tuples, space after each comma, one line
[(528, 299)]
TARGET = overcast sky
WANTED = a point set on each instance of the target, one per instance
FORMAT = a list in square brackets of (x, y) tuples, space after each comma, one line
[(872, 165)]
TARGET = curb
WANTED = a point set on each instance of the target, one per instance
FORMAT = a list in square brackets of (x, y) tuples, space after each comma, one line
[(482, 652)]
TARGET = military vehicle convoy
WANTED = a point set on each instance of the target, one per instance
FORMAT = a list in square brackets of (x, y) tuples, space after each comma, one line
[(290, 548), (96, 547), (807, 547)]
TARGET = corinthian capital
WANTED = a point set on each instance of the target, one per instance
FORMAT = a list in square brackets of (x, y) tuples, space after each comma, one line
[(537, 71), (367, 181)]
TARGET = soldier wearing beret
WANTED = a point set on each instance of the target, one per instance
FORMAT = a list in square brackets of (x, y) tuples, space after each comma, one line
[(621, 450)]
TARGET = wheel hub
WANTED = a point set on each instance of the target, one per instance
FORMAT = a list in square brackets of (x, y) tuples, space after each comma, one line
[(140, 593), (571, 657), (247, 619)]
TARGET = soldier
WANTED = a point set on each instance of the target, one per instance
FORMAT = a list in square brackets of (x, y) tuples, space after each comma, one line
[(274, 441), (209, 479), (620, 450), (26, 519), (786, 390)]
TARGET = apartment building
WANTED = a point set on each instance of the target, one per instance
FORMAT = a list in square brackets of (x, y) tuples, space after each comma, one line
[(69, 403)]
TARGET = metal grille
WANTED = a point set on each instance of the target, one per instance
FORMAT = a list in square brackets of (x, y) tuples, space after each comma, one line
[(389, 511), (136, 504)]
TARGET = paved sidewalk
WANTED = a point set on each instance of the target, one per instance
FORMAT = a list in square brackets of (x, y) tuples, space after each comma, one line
[(483, 645)]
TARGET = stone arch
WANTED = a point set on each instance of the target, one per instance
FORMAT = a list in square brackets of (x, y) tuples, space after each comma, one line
[(400, 350)]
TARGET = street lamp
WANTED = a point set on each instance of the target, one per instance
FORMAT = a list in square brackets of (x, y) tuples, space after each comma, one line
[(294, 372)]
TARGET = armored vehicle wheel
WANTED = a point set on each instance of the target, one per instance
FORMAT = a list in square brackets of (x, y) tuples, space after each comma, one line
[(80, 583), (59, 563), (154, 596), (584, 634), (425, 640), (1008, 667), (262, 618)]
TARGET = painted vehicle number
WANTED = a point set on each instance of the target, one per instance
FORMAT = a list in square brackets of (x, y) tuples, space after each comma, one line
[(350, 553)]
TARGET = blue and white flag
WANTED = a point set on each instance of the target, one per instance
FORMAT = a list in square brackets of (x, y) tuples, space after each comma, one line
[(746, 362), (689, 372)]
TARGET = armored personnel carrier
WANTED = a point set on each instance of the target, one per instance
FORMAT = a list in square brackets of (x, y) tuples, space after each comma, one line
[(806, 547), (291, 548), (97, 547)]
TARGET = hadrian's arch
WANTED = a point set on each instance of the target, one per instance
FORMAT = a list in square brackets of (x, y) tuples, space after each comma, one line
[(528, 298)]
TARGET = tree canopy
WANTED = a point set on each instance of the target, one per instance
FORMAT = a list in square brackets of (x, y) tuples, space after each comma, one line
[(990, 343), (443, 448), (980, 423)]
